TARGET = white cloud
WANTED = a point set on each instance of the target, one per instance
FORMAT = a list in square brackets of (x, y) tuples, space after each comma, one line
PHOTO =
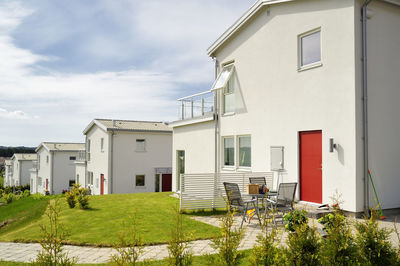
[(14, 114)]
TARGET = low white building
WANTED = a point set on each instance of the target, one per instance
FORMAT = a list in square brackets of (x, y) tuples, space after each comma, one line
[(124, 156), (295, 94), (20, 165), (55, 167), (8, 173)]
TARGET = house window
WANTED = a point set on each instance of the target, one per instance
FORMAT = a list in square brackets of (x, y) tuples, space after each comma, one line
[(229, 97), (102, 144), (310, 48), (88, 150), (157, 182), (40, 181), (77, 179), (71, 183), (180, 167), (90, 178), (140, 180), (97, 182), (226, 82), (38, 162), (229, 151), (140, 145), (47, 159), (244, 151), (72, 158)]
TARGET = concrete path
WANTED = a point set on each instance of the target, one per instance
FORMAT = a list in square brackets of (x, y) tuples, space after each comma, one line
[(27, 252), (22, 252)]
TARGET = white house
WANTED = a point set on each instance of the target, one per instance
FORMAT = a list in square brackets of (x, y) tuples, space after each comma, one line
[(126, 157), (19, 166), (7, 172), (295, 93), (55, 168)]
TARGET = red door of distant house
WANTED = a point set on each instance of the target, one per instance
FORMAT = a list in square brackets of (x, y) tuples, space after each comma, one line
[(47, 184), (311, 166), (166, 182), (101, 184)]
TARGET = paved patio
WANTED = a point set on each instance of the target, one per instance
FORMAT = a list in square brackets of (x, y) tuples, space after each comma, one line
[(22, 252)]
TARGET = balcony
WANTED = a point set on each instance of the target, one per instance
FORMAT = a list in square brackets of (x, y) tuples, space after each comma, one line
[(82, 155), (196, 106)]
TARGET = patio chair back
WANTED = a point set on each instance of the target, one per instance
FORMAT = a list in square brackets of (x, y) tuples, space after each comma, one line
[(286, 194), (233, 194), (261, 181)]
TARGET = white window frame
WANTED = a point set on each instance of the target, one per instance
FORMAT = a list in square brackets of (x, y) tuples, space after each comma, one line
[(144, 179), (302, 67), (228, 167), (143, 140), (245, 168)]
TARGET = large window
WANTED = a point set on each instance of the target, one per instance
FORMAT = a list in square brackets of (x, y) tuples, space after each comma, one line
[(140, 145), (310, 48), (229, 151), (140, 180), (244, 151)]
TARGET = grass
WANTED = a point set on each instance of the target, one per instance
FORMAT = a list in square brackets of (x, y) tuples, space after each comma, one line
[(197, 261), (108, 216), (21, 213)]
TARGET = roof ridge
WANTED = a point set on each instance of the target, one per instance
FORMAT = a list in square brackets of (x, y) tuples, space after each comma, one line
[(126, 120)]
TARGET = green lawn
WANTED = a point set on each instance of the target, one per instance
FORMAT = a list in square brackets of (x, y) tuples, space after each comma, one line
[(20, 213), (102, 224)]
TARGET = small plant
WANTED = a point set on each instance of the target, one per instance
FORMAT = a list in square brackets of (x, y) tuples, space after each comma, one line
[(266, 251), (228, 243), (70, 197), (130, 246), (52, 237), (295, 218), (178, 247), (374, 243)]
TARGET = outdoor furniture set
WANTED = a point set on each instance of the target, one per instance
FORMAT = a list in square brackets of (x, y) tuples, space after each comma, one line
[(274, 203)]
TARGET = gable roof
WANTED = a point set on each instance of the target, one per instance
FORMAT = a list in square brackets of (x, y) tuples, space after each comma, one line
[(61, 146), (129, 125), (241, 22), (24, 156)]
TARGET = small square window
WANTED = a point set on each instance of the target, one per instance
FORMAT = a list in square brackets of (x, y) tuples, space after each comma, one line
[(71, 183), (310, 48), (140, 145), (72, 158), (140, 180)]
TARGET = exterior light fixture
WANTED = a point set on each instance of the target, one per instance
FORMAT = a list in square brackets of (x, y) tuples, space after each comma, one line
[(332, 145)]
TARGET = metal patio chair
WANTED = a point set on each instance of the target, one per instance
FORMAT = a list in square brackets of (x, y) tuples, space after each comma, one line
[(235, 201), (283, 203)]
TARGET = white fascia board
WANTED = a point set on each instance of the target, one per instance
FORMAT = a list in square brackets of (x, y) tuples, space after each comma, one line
[(192, 121), (94, 122), (240, 22), (40, 146)]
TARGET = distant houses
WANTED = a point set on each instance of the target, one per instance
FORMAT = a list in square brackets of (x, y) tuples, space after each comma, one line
[(18, 168), (124, 156)]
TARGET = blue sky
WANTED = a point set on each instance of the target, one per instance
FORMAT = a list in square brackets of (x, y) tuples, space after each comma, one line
[(65, 62)]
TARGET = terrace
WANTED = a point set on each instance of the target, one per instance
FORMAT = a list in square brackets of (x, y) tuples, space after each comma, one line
[(200, 105)]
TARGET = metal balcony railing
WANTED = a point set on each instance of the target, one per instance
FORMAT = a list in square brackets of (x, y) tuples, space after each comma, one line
[(82, 155), (196, 105)]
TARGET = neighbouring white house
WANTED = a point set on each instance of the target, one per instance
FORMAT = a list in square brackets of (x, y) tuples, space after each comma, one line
[(125, 156), (20, 165), (8, 171), (295, 95), (54, 170)]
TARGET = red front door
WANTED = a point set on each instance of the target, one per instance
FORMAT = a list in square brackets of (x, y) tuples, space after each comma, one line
[(101, 184), (311, 166), (166, 182), (47, 184)]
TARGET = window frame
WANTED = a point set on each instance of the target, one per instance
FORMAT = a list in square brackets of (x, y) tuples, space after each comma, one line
[(238, 152), (144, 145), (300, 66), (228, 167), (144, 181)]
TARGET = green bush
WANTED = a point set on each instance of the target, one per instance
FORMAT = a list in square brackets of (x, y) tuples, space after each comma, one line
[(37, 196), (83, 200), (70, 197), (26, 193), (373, 242), (295, 218), (9, 197)]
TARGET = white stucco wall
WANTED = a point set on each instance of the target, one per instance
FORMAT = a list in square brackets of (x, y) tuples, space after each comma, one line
[(63, 170), (99, 159), (44, 169), (8, 179), (80, 171), (383, 43), (128, 162), (197, 140), (33, 180), (21, 174)]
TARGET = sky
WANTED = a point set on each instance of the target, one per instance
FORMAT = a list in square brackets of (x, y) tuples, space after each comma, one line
[(66, 62)]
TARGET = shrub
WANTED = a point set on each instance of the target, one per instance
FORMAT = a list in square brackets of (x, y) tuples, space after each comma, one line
[(295, 218), (130, 246), (374, 243), (178, 251), (37, 196), (9, 197), (228, 242), (52, 237), (266, 250), (83, 200), (70, 197), (338, 247), (26, 193), (303, 246)]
